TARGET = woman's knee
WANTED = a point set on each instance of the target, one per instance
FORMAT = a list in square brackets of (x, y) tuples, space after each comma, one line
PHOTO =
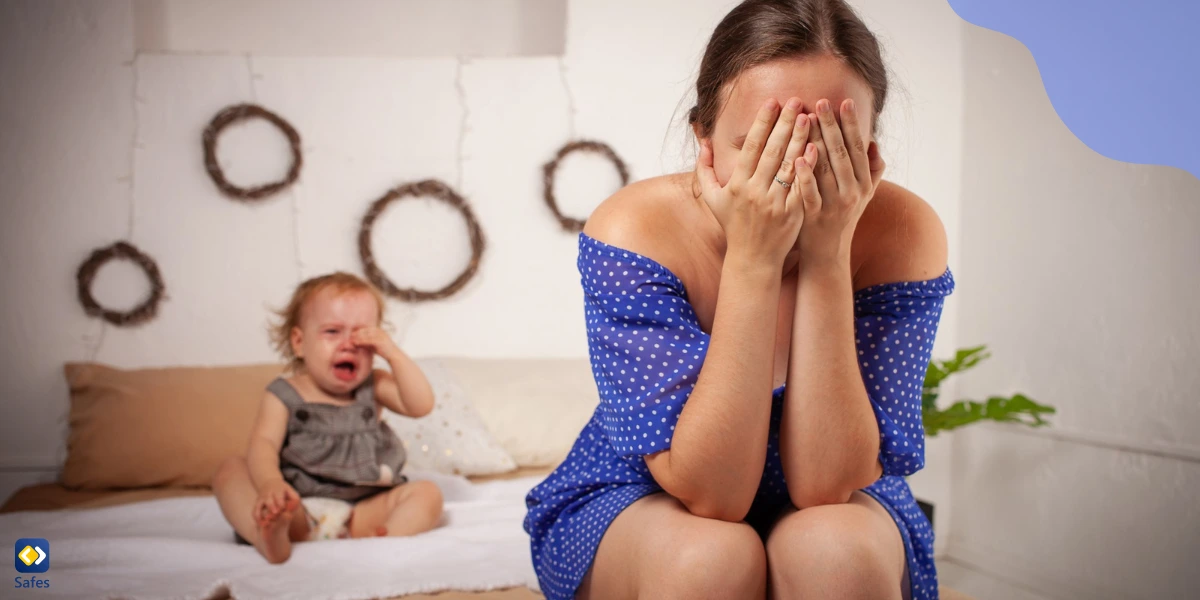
[(842, 547), (714, 559)]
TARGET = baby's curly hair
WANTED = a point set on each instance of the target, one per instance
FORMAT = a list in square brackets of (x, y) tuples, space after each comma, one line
[(342, 282)]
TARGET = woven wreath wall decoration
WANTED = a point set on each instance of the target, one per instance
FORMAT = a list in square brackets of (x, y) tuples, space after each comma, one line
[(86, 275), (241, 112), (431, 188), (550, 169)]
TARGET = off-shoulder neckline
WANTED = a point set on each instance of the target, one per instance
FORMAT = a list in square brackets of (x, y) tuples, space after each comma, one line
[(945, 277)]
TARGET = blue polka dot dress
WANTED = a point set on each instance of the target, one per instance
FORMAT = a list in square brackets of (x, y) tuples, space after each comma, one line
[(646, 349)]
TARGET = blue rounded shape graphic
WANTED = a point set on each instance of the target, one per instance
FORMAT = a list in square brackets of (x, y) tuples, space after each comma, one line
[(1123, 76)]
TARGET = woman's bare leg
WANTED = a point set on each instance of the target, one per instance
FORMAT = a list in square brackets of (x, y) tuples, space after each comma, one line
[(838, 551), (236, 495), (657, 549), (407, 509)]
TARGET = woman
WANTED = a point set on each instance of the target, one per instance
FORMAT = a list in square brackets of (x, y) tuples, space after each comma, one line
[(782, 258)]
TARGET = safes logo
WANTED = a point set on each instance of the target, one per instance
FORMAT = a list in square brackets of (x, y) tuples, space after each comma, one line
[(31, 555)]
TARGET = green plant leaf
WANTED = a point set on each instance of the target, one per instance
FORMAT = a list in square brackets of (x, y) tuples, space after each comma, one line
[(1019, 408), (929, 400), (934, 375), (964, 359)]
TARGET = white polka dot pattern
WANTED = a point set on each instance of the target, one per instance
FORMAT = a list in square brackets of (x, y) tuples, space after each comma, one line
[(647, 347)]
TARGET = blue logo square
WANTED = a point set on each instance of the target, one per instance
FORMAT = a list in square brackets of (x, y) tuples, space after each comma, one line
[(32, 555)]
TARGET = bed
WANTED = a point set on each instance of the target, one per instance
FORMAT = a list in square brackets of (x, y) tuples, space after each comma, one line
[(486, 554), (132, 518)]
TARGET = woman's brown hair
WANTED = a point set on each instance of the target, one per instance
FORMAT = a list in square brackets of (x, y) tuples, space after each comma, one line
[(759, 31)]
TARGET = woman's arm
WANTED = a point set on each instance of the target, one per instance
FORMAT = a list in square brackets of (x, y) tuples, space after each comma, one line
[(829, 437), (719, 447)]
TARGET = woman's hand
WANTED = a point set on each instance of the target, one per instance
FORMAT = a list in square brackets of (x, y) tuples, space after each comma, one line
[(837, 189), (761, 217)]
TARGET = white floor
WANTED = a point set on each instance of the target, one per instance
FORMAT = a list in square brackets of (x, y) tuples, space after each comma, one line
[(980, 585)]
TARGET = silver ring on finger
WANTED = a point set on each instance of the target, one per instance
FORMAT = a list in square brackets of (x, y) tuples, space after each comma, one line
[(785, 184)]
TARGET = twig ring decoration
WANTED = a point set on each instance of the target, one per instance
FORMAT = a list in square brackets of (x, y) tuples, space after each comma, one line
[(549, 170), (232, 115), (426, 188), (87, 273)]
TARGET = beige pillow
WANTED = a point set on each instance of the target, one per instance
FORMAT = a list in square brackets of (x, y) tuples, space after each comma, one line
[(534, 407), (168, 427), (452, 438)]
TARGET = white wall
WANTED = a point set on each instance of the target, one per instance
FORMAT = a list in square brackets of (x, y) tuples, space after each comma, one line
[(66, 147), (102, 142), (1081, 275), (409, 28)]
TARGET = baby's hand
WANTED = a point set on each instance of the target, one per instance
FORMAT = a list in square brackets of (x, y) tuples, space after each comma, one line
[(275, 498), (376, 339)]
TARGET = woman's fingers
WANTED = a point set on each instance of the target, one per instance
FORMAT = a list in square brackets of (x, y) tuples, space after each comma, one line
[(822, 170), (787, 169), (756, 140), (877, 165), (839, 155), (769, 163), (852, 135), (710, 188), (808, 190), (704, 170), (796, 146)]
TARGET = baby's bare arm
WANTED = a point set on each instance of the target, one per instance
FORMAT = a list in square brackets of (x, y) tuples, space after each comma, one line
[(405, 390), (266, 440)]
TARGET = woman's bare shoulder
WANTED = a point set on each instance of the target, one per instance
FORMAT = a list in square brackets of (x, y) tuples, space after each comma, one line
[(647, 217), (903, 239)]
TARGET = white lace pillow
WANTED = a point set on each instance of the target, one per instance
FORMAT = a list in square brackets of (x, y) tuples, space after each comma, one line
[(452, 438)]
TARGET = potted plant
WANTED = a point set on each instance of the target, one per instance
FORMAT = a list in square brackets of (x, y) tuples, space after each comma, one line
[(1016, 409)]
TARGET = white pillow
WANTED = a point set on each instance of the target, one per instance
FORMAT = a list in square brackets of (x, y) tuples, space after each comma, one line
[(535, 407), (452, 438)]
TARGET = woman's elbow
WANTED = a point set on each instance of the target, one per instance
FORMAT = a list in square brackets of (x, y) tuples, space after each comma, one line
[(803, 499), (824, 493), (733, 512), (713, 504)]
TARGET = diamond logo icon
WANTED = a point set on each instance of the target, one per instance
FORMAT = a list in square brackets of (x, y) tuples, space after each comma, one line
[(32, 555)]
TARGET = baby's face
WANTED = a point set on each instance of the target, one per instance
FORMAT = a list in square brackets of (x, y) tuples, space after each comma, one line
[(323, 339)]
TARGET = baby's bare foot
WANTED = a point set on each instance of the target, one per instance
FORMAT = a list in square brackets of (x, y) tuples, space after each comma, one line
[(273, 542)]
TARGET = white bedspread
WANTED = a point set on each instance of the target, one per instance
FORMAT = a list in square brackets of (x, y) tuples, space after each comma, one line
[(183, 548)]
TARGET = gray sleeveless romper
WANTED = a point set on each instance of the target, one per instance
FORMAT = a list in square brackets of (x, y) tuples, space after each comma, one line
[(337, 451)]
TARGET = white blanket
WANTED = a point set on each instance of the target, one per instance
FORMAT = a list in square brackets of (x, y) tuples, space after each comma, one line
[(183, 548)]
